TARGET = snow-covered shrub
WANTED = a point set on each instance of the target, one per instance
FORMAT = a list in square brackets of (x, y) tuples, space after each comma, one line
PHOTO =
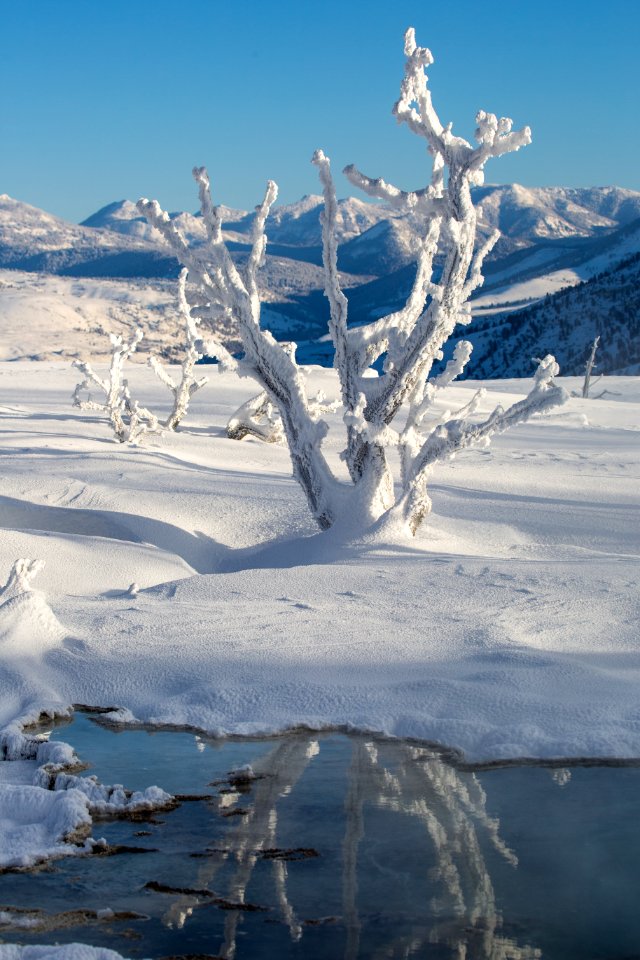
[(129, 420), (188, 384), (393, 410)]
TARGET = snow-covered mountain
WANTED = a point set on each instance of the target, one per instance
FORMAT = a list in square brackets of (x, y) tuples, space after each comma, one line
[(293, 225), (552, 238), (117, 241), (124, 217), (528, 214), (31, 239)]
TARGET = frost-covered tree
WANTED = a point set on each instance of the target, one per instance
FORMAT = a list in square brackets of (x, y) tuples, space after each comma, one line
[(395, 409), (129, 420), (188, 384)]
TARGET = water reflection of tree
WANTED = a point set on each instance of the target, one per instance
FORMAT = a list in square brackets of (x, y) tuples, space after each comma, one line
[(462, 921), (276, 774), (452, 810)]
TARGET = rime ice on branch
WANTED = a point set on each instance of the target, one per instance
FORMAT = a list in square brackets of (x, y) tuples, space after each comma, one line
[(255, 418), (129, 420), (392, 410), (588, 368), (22, 573), (188, 384)]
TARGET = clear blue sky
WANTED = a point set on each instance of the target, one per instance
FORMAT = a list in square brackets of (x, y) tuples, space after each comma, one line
[(103, 100)]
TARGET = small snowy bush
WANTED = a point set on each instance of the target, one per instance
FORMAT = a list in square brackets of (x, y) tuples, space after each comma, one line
[(130, 421), (393, 410)]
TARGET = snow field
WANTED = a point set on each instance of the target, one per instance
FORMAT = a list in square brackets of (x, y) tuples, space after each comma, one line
[(506, 629)]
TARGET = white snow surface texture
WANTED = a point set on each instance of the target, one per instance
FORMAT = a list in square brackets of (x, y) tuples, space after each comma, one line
[(68, 951), (508, 628)]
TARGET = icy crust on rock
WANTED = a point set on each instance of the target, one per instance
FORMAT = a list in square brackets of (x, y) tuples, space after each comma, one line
[(115, 798), (35, 824), (66, 951), (51, 815), (16, 745)]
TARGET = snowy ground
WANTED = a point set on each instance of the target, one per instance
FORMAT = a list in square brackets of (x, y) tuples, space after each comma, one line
[(509, 628)]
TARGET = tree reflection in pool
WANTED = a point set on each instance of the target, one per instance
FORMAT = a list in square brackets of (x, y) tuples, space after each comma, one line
[(329, 845)]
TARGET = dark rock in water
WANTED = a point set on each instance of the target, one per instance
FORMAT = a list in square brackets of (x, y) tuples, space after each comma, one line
[(39, 921), (113, 849), (193, 797), (209, 897), (182, 891), (297, 853)]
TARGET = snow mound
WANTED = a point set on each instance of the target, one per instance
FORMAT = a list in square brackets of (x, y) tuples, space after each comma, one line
[(27, 624), (36, 824)]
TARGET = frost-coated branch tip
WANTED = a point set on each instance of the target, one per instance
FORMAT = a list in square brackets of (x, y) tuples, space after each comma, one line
[(422, 55), (152, 210), (200, 175), (22, 573), (548, 368), (270, 195), (273, 189), (409, 41)]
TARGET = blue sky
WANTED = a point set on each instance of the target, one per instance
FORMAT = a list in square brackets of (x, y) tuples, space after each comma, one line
[(103, 100)]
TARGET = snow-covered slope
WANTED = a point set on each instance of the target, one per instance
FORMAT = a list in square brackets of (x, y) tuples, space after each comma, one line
[(44, 316), (565, 324), (564, 262), (385, 247)]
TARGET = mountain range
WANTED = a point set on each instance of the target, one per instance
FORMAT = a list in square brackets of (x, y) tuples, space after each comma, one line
[(552, 239)]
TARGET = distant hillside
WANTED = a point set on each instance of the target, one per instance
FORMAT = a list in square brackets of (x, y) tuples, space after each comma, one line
[(31, 239), (565, 324), (553, 238)]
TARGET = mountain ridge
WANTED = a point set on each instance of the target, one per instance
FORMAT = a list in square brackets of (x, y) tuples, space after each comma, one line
[(553, 238)]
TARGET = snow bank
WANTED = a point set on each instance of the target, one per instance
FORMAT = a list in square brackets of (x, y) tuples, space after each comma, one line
[(27, 625), (67, 951), (115, 798)]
